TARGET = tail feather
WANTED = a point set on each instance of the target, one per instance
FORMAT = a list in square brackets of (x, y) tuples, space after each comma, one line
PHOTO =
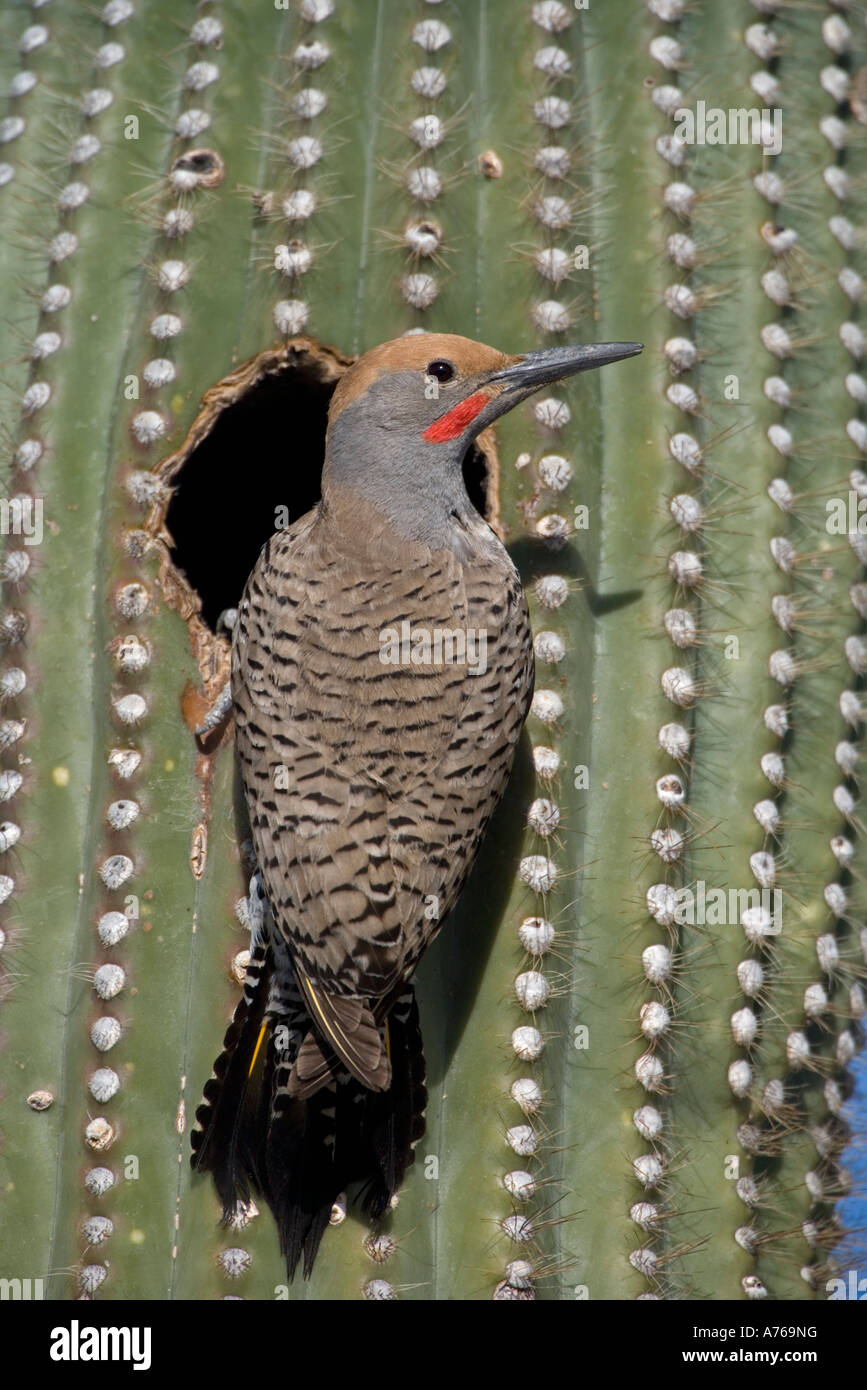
[(394, 1120), (300, 1151), (302, 1181), (223, 1142), (350, 1031)]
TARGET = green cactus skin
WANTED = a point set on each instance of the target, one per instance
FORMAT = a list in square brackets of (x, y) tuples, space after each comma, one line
[(799, 1233), (729, 733), (637, 1135)]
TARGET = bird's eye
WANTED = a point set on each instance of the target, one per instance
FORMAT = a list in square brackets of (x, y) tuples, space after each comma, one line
[(440, 369)]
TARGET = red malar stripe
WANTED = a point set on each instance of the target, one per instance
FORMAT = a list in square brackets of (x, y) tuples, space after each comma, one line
[(450, 425)]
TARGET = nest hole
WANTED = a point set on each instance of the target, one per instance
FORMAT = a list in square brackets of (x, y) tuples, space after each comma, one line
[(252, 462)]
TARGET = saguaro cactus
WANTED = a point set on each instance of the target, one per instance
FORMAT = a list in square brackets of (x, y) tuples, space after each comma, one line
[(637, 1072)]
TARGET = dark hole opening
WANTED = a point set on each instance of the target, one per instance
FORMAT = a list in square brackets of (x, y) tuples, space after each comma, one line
[(263, 452)]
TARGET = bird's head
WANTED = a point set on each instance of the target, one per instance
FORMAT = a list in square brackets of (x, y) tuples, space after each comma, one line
[(403, 416)]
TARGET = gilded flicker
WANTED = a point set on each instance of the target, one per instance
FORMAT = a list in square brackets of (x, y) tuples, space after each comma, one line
[(382, 670)]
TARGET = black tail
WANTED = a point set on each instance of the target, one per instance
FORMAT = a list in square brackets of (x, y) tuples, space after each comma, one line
[(226, 1140), (300, 1154)]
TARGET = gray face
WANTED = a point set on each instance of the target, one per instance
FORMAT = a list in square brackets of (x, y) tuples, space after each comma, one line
[(407, 402), (376, 446), (377, 443)]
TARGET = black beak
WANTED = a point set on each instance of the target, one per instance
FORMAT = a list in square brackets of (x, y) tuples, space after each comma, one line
[(553, 364)]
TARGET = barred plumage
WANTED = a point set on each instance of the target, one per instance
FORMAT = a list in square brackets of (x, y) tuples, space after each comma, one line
[(369, 781)]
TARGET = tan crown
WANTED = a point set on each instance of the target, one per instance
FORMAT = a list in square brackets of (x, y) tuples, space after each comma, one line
[(413, 354)]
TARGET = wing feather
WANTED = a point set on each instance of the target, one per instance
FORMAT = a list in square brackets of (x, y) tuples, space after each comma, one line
[(369, 784)]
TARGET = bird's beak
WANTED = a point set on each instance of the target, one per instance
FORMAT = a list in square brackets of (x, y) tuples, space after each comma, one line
[(492, 395), (540, 368)]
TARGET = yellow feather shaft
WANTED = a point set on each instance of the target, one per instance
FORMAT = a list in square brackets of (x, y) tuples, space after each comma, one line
[(311, 992), (262, 1031)]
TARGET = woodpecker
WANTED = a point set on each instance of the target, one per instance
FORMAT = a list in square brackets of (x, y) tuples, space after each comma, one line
[(382, 670)]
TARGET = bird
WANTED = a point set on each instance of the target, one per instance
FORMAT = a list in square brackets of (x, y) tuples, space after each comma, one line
[(382, 670)]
